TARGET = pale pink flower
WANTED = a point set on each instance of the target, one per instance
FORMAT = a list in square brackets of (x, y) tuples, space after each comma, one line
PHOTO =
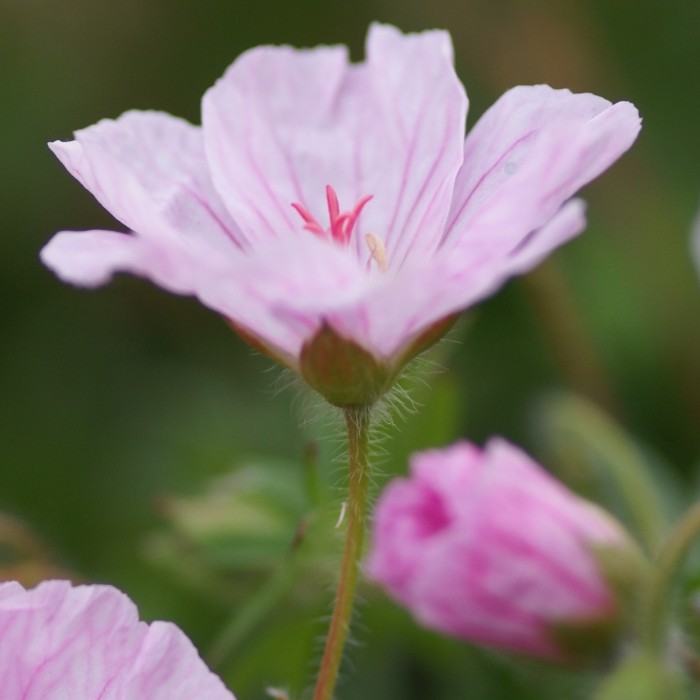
[(486, 546), (318, 194), (60, 642)]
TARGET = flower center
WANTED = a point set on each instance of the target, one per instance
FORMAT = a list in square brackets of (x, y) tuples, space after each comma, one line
[(342, 224)]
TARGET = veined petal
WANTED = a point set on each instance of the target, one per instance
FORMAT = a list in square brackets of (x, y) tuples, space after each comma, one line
[(91, 258), (263, 122), (400, 305), (457, 279), (86, 643), (282, 291), (148, 169), (282, 124), (278, 293), (568, 222), (424, 104), (529, 153)]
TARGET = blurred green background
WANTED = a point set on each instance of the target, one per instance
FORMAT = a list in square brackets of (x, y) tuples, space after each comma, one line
[(113, 399)]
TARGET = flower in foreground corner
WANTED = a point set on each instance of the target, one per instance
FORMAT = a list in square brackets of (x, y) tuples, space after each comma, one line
[(60, 642), (334, 213), (484, 545)]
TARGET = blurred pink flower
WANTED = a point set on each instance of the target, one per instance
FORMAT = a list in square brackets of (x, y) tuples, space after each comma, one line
[(486, 546), (324, 196), (695, 241), (59, 642)]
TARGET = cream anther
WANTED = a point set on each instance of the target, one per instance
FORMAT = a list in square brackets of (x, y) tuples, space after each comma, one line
[(377, 250)]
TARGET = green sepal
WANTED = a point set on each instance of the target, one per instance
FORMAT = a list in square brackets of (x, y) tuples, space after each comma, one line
[(426, 339), (261, 346), (642, 677), (588, 640), (348, 376), (345, 374)]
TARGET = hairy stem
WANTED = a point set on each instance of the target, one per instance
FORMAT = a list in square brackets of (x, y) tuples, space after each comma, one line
[(357, 421)]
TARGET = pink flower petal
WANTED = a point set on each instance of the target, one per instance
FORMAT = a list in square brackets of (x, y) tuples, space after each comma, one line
[(148, 169), (396, 308), (528, 154), (283, 292), (91, 258), (279, 295), (59, 642), (568, 222), (282, 124), (399, 305)]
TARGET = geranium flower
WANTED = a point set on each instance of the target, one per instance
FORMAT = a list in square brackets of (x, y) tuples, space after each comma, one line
[(486, 546), (60, 642), (334, 213)]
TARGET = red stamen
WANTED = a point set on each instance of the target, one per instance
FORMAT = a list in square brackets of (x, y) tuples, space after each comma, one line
[(341, 225), (355, 215), (333, 206), (303, 212), (310, 224), (339, 229)]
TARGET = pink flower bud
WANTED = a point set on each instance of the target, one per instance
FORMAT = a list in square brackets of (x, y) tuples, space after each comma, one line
[(486, 546), (59, 641)]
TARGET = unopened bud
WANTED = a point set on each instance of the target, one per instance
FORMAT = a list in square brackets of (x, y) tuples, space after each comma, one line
[(486, 546)]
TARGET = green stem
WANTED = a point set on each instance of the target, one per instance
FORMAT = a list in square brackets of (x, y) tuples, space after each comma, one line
[(616, 459), (572, 345), (249, 616), (669, 562), (357, 421)]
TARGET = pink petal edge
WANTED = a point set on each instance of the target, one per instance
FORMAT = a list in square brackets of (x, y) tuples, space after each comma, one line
[(59, 641)]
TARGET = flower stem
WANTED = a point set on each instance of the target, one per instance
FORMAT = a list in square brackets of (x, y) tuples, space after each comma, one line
[(606, 453), (357, 421), (668, 565), (248, 617), (570, 340)]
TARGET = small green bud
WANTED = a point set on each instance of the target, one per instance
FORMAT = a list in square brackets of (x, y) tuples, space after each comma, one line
[(347, 375)]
